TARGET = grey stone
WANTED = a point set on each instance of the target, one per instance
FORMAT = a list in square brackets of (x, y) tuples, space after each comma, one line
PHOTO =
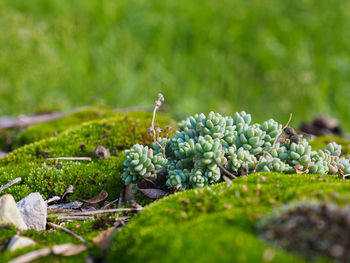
[(9, 213), (19, 242), (34, 211)]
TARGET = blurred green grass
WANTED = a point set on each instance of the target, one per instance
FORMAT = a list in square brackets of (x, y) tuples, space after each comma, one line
[(267, 57)]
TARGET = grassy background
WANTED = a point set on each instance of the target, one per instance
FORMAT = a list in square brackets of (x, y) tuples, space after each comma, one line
[(267, 57)]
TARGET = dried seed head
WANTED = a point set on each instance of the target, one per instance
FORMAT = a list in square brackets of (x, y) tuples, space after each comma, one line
[(150, 130)]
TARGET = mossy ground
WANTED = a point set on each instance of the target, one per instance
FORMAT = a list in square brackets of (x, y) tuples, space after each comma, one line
[(217, 224), (85, 229), (13, 138), (201, 225), (51, 177), (70, 120)]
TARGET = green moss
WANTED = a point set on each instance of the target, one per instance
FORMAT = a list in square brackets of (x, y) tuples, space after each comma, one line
[(55, 237), (49, 129), (217, 223), (321, 142), (88, 178)]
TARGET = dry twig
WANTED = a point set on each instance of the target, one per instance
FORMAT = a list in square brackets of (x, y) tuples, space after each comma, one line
[(18, 179), (274, 143), (154, 130), (232, 176), (71, 158), (69, 232), (109, 204)]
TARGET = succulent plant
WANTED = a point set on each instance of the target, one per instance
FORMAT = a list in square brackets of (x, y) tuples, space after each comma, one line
[(141, 163), (178, 179), (197, 178), (344, 165), (203, 145), (272, 164), (320, 162), (333, 149), (213, 125), (242, 117), (272, 130), (299, 154), (251, 138), (241, 158)]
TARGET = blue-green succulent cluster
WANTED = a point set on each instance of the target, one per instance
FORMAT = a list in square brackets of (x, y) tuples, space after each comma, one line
[(140, 163), (204, 146)]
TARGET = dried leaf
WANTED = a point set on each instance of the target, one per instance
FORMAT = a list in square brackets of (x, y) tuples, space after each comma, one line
[(100, 197), (153, 193), (103, 239), (298, 170)]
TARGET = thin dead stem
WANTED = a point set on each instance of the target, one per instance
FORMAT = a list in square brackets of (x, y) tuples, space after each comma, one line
[(69, 232), (274, 143), (232, 176)]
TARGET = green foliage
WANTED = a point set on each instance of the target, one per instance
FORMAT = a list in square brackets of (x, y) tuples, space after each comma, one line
[(217, 223), (225, 56), (50, 177), (203, 144), (70, 120)]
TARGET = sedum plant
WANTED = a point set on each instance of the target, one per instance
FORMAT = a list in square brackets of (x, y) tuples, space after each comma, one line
[(206, 146)]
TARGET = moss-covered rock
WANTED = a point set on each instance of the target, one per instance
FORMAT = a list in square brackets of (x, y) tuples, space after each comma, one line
[(49, 129), (217, 223), (50, 177)]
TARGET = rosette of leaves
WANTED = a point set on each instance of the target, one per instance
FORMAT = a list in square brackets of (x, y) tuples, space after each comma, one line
[(333, 148), (174, 164), (279, 151), (272, 129), (343, 164), (229, 134), (242, 117), (140, 163), (178, 179), (206, 150), (321, 161), (192, 125), (240, 158), (299, 155), (182, 145), (271, 164), (214, 125), (250, 138), (198, 178)]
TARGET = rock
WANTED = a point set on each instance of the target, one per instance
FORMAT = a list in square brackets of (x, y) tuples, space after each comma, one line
[(9, 213), (322, 125), (34, 211), (101, 152), (19, 242), (3, 154)]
